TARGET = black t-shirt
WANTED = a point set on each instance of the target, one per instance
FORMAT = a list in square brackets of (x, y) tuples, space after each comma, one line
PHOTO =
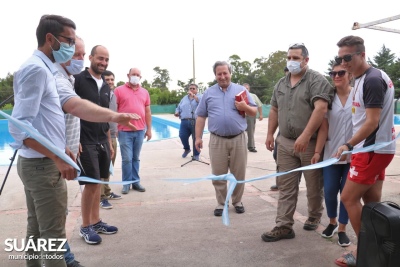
[(86, 87)]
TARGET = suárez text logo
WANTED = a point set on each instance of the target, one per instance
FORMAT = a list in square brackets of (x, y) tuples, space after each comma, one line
[(51, 244)]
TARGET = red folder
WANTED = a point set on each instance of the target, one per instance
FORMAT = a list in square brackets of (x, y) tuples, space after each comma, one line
[(239, 97)]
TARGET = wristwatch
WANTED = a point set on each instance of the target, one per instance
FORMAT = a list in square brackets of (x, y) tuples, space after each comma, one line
[(350, 147)]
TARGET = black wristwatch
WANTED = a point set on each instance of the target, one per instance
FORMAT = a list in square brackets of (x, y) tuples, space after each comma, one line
[(350, 147)]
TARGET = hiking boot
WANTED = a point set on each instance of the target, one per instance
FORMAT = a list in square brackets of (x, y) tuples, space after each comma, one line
[(330, 230), (102, 227), (105, 204), (344, 240), (311, 224), (113, 196), (90, 235), (277, 234)]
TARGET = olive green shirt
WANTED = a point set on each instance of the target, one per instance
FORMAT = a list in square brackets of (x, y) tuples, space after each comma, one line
[(296, 104)]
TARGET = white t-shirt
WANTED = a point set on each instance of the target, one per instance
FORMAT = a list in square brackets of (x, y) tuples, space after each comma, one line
[(340, 126), (374, 89)]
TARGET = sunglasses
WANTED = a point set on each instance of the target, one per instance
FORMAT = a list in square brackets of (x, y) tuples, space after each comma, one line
[(346, 58), (339, 73)]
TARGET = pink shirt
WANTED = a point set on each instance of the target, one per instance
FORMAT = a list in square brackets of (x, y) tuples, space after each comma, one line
[(132, 101)]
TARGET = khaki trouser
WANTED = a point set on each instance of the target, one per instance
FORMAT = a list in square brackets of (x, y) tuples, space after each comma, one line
[(46, 201), (251, 127), (105, 188), (289, 184), (228, 155)]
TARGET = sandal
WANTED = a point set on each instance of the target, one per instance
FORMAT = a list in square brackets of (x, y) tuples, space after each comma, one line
[(347, 260)]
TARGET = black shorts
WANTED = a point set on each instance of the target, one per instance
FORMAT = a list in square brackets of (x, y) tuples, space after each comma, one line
[(95, 160)]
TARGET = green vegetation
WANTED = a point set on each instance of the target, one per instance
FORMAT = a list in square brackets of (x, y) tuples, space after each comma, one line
[(262, 75)]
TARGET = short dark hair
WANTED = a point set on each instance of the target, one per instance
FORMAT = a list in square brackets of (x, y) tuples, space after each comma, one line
[(221, 63), (108, 73), (53, 24), (352, 40), (193, 84), (304, 50)]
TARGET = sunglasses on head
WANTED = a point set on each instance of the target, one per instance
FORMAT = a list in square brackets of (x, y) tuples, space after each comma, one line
[(346, 58), (339, 73)]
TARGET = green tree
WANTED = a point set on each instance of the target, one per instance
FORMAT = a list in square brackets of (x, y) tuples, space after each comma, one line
[(161, 79), (6, 89), (240, 69)]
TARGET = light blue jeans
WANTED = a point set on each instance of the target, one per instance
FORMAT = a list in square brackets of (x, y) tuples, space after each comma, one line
[(130, 144)]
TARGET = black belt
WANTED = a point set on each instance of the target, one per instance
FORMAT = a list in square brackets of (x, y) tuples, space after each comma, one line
[(188, 119), (227, 136)]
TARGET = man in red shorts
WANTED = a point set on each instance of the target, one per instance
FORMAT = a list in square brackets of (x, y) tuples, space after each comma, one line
[(372, 117)]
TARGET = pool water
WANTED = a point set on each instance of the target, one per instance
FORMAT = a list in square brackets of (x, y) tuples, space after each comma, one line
[(161, 129)]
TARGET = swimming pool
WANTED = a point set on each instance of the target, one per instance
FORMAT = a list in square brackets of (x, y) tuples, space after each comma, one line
[(161, 129)]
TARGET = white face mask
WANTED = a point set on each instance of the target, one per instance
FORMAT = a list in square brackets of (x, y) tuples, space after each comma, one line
[(134, 80), (294, 67)]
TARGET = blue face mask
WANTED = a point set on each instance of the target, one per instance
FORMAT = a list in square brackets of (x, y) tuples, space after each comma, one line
[(65, 52), (75, 66)]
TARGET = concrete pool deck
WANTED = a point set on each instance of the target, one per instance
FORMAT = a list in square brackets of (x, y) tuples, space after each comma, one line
[(172, 224)]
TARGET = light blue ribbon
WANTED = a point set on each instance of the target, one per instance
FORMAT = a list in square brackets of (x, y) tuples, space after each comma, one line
[(232, 180), (33, 133)]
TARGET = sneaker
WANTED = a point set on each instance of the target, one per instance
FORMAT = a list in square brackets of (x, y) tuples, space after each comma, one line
[(90, 235), (330, 230), (344, 240), (102, 227), (125, 189), (274, 188), (105, 204), (311, 224), (113, 196), (277, 234), (186, 153), (197, 157), (75, 263)]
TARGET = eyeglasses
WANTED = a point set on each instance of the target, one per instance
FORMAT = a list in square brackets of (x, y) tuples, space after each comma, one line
[(71, 41), (339, 73), (346, 58)]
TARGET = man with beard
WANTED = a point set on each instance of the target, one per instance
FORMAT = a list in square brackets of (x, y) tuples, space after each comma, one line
[(95, 139)]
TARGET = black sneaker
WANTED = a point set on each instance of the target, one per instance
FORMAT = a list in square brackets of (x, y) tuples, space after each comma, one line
[(344, 240), (311, 224), (330, 230), (277, 234), (75, 263)]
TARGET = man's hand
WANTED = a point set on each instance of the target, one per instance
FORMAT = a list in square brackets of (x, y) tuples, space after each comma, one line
[(199, 144), (301, 143), (241, 105), (342, 149), (125, 118), (260, 118), (70, 154), (176, 114), (148, 134), (270, 142), (67, 171), (112, 152)]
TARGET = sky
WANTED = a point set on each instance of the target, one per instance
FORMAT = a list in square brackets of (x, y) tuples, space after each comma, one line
[(151, 33)]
